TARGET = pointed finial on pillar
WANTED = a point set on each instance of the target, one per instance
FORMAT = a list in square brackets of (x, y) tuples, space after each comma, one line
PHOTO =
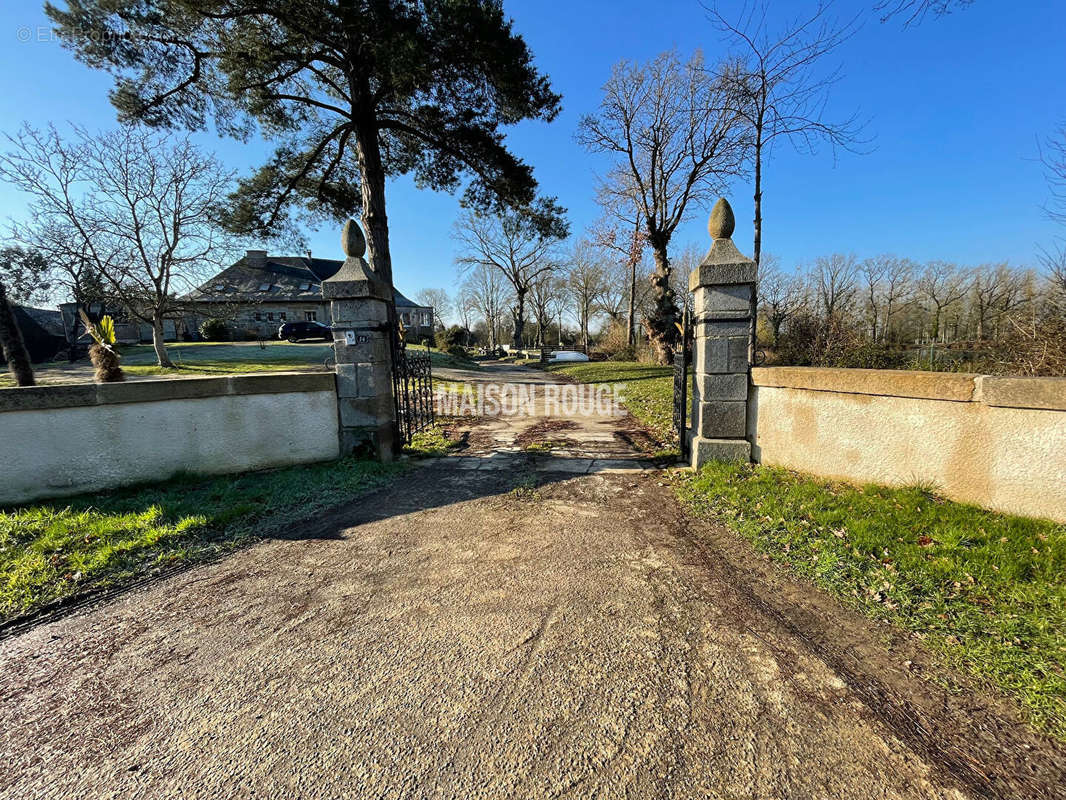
[(721, 223), (724, 263), (352, 240), (355, 278)]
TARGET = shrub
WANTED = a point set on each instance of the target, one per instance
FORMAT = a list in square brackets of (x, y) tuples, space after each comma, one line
[(453, 341), (613, 342), (214, 330), (811, 341)]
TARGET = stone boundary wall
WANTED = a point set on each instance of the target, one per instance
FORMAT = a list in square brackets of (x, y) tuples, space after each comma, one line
[(68, 439), (998, 442)]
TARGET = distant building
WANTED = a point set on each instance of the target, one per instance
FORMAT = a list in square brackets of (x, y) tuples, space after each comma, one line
[(261, 292), (42, 332)]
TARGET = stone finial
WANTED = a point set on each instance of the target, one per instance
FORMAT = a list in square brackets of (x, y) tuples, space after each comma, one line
[(355, 278), (724, 264), (721, 223), (353, 241)]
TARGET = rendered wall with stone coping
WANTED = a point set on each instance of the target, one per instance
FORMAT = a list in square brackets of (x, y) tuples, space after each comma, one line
[(997, 442), (62, 440)]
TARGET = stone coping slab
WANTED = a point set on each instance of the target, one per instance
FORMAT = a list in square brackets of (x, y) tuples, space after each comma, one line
[(36, 398), (954, 386), (992, 390), (1010, 392)]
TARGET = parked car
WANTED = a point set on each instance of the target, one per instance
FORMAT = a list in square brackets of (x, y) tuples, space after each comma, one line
[(295, 331)]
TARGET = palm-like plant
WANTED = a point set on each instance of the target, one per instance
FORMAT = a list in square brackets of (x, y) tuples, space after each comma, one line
[(102, 352)]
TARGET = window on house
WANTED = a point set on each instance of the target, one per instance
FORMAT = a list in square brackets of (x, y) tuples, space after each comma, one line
[(258, 317), (307, 286), (311, 316), (270, 316), (406, 317), (264, 287), (281, 316), (220, 287), (425, 320)]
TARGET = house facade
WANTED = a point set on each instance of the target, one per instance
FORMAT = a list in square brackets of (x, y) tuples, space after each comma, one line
[(261, 292)]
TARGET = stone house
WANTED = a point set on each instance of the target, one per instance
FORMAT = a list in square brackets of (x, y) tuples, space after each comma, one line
[(261, 292)]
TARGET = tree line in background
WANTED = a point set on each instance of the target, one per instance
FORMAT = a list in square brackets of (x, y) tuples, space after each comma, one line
[(839, 311), (892, 312)]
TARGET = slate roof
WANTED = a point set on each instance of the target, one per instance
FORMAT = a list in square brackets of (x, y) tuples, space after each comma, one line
[(275, 279), (51, 319)]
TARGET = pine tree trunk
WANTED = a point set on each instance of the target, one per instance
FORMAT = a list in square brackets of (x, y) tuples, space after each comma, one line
[(18, 360), (375, 220)]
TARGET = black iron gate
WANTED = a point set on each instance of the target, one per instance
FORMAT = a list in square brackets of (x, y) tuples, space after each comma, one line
[(682, 359), (412, 390)]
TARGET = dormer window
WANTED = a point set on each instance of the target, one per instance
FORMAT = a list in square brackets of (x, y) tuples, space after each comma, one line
[(264, 287), (220, 287), (307, 286)]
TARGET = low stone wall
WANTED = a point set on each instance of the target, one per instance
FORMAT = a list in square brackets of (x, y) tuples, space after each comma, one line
[(60, 440), (997, 442)]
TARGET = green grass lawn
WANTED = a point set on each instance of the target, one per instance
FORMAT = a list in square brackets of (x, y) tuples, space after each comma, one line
[(441, 359), (55, 549), (986, 590), (648, 393), (218, 358), (227, 358)]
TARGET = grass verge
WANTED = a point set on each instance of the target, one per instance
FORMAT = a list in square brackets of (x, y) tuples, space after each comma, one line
[(984, 590), (430, 442), (218, 358), (58, 549)]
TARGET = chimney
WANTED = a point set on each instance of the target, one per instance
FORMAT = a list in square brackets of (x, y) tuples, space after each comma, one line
[(256, 258), (308, 255)]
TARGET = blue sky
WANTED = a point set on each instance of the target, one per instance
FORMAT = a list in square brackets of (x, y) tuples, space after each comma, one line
[(956, 107)]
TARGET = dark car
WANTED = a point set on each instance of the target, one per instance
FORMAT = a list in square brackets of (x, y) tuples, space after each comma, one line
[(295, 331)]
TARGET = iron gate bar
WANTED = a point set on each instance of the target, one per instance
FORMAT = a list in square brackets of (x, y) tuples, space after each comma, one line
[(681, 362), (412, 384)]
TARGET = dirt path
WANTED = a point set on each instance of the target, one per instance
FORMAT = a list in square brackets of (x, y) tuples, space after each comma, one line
[(484, 632)]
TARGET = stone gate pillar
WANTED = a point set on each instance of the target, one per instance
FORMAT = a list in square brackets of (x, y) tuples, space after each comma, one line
[(359, 309), (724, 286)]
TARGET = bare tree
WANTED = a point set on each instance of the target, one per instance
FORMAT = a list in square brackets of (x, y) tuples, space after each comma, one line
[(488, 293), (544, 295), (897, 290), (510, 244), (991, 288), (676, 136), (621, 232), (941, 284), (585, 281), (465, 306), (1053, 157), (781, 295), (916, 11), (835, 283), (439, 301), (1054, 261), (138, 207), (781, 93)]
